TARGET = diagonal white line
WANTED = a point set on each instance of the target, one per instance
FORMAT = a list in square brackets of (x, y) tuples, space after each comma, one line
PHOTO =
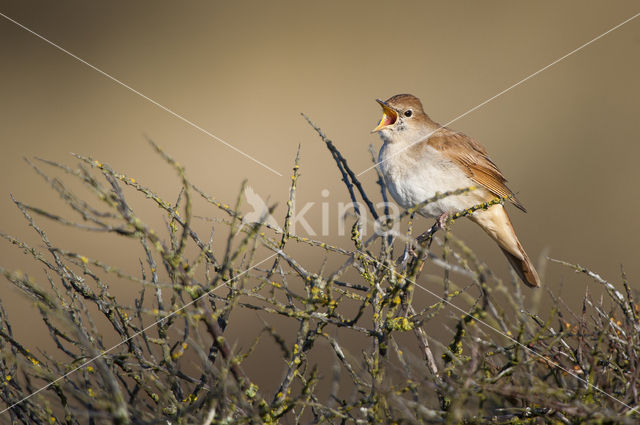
[(515, 341), (510, 338), (548, 360), (577, 49), (164, 108), (124, 341)]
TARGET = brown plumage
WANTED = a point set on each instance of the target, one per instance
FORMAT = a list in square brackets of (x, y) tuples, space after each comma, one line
[(495, 221), (472, 157), (420, 158)]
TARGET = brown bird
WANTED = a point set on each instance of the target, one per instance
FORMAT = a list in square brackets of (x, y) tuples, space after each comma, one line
[(419, 158)]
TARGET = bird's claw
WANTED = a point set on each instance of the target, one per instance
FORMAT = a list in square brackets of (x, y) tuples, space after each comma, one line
[(441, 221), (423, 239), (427, 237)]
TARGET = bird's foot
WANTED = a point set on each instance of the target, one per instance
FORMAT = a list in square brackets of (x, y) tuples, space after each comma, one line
[(427, 237), (442, 220), (422, 241)]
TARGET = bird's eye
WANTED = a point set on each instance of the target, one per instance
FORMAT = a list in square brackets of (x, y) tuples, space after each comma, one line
[(408, 113)]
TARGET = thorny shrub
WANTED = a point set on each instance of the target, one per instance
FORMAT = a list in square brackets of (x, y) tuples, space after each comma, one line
[(500, 364)]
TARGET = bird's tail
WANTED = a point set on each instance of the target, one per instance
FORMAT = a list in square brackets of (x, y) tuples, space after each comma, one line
[(497, 224)]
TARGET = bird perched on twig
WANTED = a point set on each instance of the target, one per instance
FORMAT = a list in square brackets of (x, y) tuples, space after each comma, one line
[(420, 158)]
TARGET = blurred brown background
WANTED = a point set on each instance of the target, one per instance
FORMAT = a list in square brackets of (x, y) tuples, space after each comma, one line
[(568, 139)]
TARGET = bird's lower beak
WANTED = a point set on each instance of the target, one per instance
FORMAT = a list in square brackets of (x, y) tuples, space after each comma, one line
[(389, 116)]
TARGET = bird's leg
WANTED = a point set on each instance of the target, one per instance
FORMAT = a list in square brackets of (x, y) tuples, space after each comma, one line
[(442, 220), (423, 239), (427, 236)]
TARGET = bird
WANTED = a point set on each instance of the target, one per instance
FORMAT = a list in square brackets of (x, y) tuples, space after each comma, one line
[(420, 158)]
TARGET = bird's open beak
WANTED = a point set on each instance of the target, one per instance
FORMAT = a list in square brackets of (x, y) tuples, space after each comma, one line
[(389, 116)]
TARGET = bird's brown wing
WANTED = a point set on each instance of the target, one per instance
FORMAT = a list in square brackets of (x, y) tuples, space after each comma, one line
[(473, 159)]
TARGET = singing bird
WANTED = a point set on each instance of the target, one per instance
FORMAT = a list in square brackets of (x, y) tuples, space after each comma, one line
[(419, 157)]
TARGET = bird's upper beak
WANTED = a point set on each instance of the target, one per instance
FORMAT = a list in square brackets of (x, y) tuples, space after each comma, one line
[(389, 116)]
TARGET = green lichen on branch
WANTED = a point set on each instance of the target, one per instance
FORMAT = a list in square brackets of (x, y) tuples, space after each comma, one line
[(473, 353)]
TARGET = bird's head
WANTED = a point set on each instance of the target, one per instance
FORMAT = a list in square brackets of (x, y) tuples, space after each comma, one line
[(403, 119)]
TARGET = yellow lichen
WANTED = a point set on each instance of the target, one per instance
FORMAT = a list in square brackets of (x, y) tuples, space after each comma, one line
[(190, 398)]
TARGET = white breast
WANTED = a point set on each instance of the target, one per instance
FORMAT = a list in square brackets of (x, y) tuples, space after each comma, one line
[(412, 180)]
